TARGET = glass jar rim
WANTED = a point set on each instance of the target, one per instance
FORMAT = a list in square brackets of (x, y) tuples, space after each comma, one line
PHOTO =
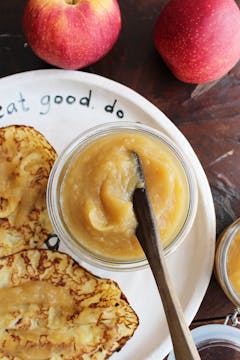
[(68, 153)]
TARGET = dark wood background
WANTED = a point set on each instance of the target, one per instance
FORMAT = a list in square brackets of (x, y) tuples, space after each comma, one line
[(210, 121)]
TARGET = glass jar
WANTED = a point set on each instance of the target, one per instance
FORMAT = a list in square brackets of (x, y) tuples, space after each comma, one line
[(227, 261), (216, 342), (63, 163)]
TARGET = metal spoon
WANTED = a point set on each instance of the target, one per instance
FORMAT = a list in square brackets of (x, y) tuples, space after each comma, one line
[(149, 238)]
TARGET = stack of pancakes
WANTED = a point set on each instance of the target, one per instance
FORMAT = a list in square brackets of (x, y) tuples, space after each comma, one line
[(51, 307)]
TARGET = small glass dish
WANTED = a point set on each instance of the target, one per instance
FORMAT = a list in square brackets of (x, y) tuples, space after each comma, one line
[(61, 167), (216, 342), (225, 254)]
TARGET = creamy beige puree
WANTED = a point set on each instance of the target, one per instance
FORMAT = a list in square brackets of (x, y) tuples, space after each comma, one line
[(97, 189)]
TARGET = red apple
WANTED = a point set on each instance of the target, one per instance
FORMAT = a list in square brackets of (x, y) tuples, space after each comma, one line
[(199, 39), (71, 34)]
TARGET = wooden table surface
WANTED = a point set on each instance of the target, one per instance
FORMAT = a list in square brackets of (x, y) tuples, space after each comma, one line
[(211, 121)]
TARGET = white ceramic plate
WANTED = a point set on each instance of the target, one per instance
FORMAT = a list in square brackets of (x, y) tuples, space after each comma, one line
[(61, 104)]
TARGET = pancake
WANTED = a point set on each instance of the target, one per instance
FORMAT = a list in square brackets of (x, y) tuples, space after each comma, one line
[(26, 159), (52, 309)]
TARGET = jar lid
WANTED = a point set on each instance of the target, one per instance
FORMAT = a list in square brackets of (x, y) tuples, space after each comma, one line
[(216, 341), (227, 264)]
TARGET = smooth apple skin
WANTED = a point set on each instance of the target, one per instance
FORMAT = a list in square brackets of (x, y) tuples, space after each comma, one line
[(71, 36), (199, 40)]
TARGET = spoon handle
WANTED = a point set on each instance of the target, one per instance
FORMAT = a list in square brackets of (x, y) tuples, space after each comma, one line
[(148, 236)]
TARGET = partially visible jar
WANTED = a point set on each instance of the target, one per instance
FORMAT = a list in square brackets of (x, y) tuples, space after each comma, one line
[(227, 262), (216, 342)]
